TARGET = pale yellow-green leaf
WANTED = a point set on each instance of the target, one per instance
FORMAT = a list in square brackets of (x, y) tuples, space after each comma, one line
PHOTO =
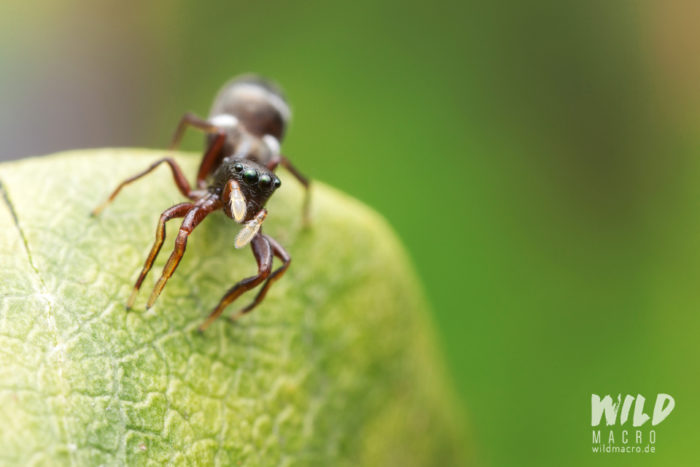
[(336, 367)]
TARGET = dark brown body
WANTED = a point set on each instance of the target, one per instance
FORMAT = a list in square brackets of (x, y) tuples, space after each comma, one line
[(258, 105), (253, 115), (244, 131)]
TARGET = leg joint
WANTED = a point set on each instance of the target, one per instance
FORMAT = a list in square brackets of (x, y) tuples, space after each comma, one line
[(181, 240)]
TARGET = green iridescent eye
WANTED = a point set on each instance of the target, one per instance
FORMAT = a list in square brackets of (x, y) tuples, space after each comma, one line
[(250, 175), (278, 182), (238, 167), (265, 180)]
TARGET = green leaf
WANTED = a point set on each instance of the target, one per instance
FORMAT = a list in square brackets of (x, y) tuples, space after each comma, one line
[(337, 366)]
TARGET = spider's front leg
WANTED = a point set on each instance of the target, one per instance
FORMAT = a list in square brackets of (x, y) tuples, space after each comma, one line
[(262, 250), (282, 254), (194, 216), (179, 210)]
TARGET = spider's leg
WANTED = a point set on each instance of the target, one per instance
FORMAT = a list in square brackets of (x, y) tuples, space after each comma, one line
[(263, 255), (180, 180), (179, 210), (287, 164), (210, 158), (193, 217), (282, 254), (213, 153), (190, 119)]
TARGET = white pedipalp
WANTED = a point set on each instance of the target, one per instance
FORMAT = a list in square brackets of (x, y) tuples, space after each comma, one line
[(238, 202), (250, 229)]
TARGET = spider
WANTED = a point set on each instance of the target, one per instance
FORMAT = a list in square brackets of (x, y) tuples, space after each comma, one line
[(246, 123)]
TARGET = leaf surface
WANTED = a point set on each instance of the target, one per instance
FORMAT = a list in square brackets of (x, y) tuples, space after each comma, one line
[(336, 367)]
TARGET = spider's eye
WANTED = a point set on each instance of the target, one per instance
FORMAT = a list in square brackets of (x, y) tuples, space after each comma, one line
[(250, 175), (278, 182), (237, 166), (265, 180)]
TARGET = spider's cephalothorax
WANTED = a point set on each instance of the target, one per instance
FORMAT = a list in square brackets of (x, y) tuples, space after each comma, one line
[(244, 129), (256, 183)]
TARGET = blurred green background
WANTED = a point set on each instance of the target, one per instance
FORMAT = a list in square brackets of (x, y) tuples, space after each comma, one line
[(538, 159)]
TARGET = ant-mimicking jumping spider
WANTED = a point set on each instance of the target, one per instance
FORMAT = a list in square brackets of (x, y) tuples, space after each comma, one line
[(245, 127)]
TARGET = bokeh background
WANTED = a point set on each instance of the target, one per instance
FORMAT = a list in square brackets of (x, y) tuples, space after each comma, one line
[(538, 159)]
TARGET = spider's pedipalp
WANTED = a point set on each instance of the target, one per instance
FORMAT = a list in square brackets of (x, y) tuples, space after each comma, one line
[(250, 229), (238, 202)]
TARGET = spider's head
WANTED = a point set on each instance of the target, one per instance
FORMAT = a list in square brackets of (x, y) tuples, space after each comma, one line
[(254, 184)]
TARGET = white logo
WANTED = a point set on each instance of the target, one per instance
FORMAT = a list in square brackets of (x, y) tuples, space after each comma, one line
[(623, 440)]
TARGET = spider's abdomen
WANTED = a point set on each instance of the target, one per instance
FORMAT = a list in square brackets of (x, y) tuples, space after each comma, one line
[(257, 104)]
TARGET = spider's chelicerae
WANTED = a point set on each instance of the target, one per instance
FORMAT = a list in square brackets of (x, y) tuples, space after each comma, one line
[(244, 130)]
